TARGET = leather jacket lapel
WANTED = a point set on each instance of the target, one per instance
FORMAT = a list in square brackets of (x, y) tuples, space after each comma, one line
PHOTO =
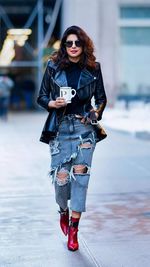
[(60, 78), (85, 78)]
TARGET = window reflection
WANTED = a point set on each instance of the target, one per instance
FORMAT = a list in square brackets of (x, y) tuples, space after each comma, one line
[(135, 12), (135, 52)]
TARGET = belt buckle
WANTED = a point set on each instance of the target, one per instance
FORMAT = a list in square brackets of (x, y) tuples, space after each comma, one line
[(94, 122), (78, 116)]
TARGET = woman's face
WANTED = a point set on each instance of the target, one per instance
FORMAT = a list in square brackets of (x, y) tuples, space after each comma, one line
[(73, 47)]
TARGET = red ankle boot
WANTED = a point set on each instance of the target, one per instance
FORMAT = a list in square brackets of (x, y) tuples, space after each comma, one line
[(64, 221), (72, 235)]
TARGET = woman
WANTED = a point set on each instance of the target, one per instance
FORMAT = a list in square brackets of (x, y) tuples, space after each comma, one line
[(73, 65)]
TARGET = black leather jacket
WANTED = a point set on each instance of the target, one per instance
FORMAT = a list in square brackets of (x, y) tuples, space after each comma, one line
[(90, 84)]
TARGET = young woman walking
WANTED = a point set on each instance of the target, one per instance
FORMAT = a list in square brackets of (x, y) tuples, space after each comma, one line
[(73, 65)]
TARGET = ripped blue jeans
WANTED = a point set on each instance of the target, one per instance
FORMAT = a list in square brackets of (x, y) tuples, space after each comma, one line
[(71, 156)]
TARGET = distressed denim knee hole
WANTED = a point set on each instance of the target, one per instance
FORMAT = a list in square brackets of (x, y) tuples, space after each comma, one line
[(62, 177), (86, 145), (81, 178), (80, 169)]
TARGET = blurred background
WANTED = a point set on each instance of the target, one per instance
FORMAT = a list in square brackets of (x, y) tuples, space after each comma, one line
[(115, 232), (31, 30)]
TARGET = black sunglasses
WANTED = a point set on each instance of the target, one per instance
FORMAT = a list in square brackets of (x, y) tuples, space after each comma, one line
[(70, 43)]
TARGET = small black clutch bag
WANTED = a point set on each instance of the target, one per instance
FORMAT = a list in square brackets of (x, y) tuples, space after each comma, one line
[(100, 132)]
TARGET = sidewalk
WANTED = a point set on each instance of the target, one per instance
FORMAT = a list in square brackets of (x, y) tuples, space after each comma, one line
[(115, 230), (135, 120), (29, 230)]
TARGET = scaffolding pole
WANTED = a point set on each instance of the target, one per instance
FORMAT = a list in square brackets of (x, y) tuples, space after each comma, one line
[(53, 22), (40, 41)]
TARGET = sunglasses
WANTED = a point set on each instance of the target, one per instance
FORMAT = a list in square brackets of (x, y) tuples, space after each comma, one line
[(70, 43)]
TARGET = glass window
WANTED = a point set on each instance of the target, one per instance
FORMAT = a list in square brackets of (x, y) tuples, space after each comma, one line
[(135, 35), (135, 12), (134, 68), (134, 53)]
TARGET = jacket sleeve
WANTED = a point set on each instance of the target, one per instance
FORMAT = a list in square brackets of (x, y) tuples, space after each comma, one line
[(44, 95), (100, 95)]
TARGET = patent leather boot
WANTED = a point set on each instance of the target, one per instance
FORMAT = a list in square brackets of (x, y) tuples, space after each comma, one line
[(64, 220), (73, 244)]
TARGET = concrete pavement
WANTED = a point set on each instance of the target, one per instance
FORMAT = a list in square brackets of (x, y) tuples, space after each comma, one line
[(115, 230), (135, 120)]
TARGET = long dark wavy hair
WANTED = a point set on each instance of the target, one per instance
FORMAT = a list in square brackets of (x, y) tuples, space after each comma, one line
[(87, 58)]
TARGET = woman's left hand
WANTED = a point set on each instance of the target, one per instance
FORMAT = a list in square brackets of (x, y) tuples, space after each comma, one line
[(92, 115)]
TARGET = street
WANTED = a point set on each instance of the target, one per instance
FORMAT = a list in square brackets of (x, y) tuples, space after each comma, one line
[(115, 230)]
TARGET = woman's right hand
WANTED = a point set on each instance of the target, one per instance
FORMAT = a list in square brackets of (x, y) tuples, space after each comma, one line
[(58, 103)]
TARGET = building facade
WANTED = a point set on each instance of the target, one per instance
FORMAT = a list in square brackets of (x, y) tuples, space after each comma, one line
[(120, 30)]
